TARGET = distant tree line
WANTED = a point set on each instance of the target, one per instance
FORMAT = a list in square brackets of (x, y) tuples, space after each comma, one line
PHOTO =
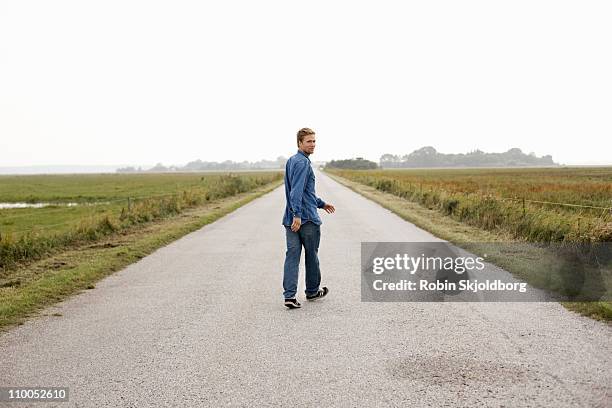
[(358, 164), (199, 165), (428, 157), (424, 157)]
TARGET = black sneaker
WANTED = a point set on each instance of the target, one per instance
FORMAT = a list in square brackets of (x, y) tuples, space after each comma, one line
[(292, 303), (321, 293)]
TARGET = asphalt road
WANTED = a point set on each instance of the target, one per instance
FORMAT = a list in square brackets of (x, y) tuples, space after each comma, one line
[(200, 322)]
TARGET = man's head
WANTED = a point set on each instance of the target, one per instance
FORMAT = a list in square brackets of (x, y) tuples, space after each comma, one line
[(306, 140)]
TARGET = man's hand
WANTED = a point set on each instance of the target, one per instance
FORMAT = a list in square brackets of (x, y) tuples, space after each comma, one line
[(297, 222), (329, 208)]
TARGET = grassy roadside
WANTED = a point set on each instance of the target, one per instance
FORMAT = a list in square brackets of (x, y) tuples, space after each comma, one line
[(53, 279), (103, 204), (454, 231)]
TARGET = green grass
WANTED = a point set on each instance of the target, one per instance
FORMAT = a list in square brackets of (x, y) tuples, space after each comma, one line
[(109, 203), (28, 289), (83, 188), (98, 189)]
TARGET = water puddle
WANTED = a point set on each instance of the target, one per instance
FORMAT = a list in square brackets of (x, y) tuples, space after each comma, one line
[(34, 205)]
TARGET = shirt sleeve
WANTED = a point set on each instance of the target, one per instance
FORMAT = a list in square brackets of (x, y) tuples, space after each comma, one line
[(297, 180), (320, 203)]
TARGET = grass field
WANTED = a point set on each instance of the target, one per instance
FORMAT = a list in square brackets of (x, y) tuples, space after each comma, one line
[(105, 203), (26, 288), (538, 205), (471, 209)]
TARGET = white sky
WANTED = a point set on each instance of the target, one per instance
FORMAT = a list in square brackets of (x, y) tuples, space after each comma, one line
[(130, 82)]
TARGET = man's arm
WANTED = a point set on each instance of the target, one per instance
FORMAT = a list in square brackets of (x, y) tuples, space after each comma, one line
[(320, 203), (297, 180)]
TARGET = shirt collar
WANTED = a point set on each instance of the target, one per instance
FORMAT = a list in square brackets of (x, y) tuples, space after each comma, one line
[(303, 154)]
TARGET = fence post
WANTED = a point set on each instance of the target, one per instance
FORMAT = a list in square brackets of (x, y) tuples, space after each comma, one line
[(523, 207), (129, 205)]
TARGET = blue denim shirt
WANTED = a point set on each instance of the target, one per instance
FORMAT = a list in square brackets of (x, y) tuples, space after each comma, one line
[(300, 191)]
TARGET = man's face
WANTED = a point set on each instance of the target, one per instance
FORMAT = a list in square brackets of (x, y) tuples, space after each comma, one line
[(307, 145)]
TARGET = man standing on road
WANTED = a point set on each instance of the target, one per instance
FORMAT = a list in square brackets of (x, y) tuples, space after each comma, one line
[(302, 223)]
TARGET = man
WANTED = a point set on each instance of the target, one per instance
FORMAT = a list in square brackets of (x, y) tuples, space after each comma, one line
[(302, 223)]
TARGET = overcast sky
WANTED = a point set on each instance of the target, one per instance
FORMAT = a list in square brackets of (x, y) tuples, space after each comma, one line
[(136, 82)]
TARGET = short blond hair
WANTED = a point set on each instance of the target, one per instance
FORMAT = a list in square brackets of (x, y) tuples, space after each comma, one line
[(303, 132)]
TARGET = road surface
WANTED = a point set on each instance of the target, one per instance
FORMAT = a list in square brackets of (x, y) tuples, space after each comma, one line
[(200, 322)]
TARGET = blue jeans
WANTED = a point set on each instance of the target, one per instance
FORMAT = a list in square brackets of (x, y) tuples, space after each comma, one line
[(309, 236)]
